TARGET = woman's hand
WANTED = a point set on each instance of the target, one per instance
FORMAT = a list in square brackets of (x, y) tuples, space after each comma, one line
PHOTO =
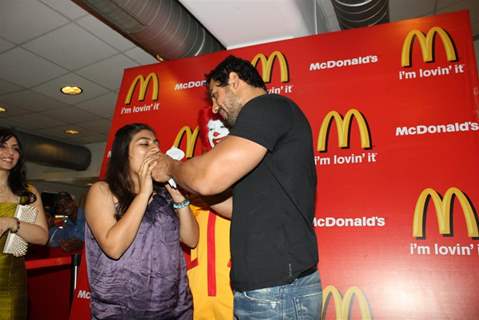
[(175, 194), (189, 230), (7, 223), (149, 162)]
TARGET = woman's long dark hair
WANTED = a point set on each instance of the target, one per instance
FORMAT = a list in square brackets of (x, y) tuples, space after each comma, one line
[(118, 171), (17, 181)]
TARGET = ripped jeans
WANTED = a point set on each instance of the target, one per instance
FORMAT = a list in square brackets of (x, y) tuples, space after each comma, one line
[(299, 300)]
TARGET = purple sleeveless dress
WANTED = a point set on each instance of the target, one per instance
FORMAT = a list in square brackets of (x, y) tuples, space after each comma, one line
[(149, 281)]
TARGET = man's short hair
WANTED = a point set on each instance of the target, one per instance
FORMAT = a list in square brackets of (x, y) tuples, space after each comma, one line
[(245, 70)]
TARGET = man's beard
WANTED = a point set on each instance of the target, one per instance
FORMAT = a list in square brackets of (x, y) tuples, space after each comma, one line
[(233, 110), (230, 121)]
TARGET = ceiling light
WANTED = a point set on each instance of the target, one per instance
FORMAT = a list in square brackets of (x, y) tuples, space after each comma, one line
[(71, 90), (2, 109), (71, 132)]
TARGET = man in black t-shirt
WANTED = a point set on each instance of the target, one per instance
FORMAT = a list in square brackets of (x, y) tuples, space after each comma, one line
[(267, 161)]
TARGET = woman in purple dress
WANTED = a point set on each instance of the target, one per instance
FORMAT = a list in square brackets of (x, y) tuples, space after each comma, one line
[(136, 267)]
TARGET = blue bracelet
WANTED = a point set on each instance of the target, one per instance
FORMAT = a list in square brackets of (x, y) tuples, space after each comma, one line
[(182, 204)]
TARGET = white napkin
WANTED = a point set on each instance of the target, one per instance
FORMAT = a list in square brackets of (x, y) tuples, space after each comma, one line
[(176, 154)]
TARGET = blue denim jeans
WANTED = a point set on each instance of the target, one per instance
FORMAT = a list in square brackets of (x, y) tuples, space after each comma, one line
[(300, 300)]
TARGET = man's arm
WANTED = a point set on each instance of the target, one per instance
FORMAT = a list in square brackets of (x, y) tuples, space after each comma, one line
[(214, 171), (222, 204)]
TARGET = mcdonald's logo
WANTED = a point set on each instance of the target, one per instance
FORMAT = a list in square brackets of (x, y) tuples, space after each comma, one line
[(342, 304), (267, 65), (144, 84), (343, 127), (427, 45), (444, 212), (191, 137)]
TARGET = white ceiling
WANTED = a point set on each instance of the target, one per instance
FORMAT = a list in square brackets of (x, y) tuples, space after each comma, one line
[(45, 44)]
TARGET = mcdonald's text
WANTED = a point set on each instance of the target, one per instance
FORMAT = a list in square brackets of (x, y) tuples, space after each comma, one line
[(365, 157), (190, 85), (328, 222), (143, 108), (431, 72), (331, 64), (441, 128), (443, 250), (83, 294)]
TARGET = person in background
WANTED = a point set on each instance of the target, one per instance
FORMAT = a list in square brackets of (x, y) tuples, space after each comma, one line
[(268, 161), (136, 267), (15, 191), (68, 229), (210, 261)]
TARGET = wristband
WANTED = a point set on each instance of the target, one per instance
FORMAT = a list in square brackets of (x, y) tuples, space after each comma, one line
[(18, 226), (182, 204)]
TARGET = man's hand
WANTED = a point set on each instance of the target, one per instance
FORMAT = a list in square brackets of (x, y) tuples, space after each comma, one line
[(163, 169)]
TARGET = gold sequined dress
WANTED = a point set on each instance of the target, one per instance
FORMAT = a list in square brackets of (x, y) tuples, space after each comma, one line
[(13, 279)]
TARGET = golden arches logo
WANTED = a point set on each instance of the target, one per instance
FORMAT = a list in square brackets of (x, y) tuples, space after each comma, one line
[(144, 83), (191, 137), (426, 43), (267, 65), (343, 127), (342, 304), (444, 212)]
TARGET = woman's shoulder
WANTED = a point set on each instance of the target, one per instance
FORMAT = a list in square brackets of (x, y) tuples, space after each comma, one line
[(101, 186), (101, 189)]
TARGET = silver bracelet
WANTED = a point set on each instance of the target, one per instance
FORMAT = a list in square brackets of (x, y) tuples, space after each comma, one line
[(182, 204)]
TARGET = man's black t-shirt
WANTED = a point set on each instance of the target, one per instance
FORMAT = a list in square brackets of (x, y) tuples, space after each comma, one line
[(272, 236)]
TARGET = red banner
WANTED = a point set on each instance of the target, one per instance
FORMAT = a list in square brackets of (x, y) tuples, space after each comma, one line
[(395, 115)]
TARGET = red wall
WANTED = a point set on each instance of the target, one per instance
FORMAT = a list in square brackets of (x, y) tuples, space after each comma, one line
[(49, 272), (372, 256)]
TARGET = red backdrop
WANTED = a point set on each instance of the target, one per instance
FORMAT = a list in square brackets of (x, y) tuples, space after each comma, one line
[(404, 119)]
